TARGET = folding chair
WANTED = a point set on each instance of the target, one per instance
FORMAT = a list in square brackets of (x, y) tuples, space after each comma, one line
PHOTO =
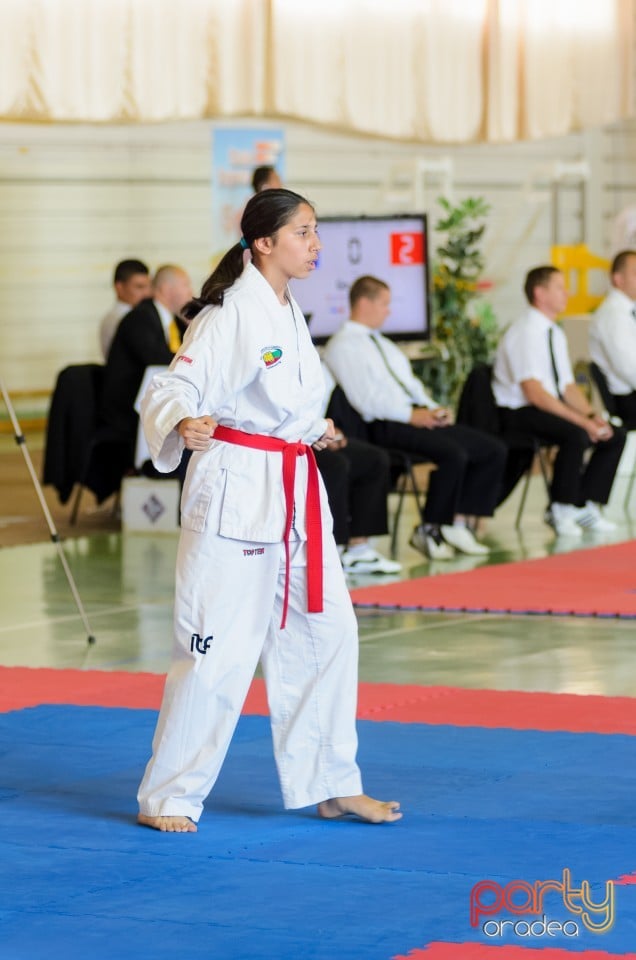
[(477, 408), (78, 453)]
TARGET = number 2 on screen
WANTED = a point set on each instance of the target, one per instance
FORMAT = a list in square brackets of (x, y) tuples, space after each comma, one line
[(407, 249)]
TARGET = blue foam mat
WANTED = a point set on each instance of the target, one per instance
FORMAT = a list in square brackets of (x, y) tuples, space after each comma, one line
[(77, 876)]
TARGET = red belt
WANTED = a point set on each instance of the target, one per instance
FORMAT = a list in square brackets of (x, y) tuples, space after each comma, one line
[(313, 521)]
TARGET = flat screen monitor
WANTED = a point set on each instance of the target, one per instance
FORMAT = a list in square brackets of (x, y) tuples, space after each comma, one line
[(392, 248)]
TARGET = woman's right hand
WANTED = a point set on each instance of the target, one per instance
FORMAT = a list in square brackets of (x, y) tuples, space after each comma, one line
[(196, 432), (426, 418)]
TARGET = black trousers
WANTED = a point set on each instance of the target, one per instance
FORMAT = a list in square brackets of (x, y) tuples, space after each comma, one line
[(357, 480), (575, 479), (470, 466), (626, 408)]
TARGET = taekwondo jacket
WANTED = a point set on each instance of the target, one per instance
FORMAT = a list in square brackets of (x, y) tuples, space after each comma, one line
[(250, 364)]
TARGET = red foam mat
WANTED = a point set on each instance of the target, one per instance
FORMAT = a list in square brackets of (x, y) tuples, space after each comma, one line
[(25, 686), (597, 582), (487, 951), (29, 687)]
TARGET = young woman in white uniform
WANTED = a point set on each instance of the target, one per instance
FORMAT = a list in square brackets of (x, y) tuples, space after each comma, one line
[(258, 573)]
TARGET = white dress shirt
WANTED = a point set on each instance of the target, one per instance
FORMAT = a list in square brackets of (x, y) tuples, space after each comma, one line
[(166, 318), (376, 376), (109, 323), (524, 354), (613, 341)]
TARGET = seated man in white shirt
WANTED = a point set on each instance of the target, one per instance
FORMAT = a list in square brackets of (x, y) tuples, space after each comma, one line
[(535, 390), (132, 285), (613, 336), (379, 383)]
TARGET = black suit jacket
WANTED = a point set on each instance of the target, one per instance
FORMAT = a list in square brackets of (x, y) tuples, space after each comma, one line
[(71, 426), (139, 342)]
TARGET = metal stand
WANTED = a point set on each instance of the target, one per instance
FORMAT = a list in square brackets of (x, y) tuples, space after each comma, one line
[(55, 537)]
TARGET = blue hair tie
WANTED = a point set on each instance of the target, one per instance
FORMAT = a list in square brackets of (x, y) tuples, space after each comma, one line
[(244, 243)]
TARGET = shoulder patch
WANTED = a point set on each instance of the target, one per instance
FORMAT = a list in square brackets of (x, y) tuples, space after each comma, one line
[(271, 356), (185, 359)]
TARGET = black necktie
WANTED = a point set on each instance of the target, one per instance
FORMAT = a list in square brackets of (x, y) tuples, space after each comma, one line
[(376, 341), (555, 370)]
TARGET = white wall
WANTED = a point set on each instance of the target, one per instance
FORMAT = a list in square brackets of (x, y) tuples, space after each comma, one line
[(76, 199)]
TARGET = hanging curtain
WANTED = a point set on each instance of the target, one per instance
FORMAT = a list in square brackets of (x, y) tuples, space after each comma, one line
[(120, 60), (432, 71)]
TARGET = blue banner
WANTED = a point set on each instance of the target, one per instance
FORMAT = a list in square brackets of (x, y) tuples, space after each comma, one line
[(236, 152)]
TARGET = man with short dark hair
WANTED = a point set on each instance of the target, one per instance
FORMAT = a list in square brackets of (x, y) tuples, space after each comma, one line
[(536, 392), (613, 336), (131, 281), (378, 382), (265, 178)]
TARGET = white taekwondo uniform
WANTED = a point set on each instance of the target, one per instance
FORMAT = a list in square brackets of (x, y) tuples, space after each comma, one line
[(250, 365)]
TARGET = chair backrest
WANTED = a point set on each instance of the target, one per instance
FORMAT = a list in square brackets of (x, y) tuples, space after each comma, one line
[(600, 380), (345, 416), (71, 425), (477, 407)]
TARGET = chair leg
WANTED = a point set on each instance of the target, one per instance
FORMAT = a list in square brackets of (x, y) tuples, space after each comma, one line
[(116, 503), (546, 480), (544, 471), (524, 494), (401, 491), (419, 496), (76, 503)]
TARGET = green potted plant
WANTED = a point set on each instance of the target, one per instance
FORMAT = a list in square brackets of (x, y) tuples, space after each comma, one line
[(464, 327)]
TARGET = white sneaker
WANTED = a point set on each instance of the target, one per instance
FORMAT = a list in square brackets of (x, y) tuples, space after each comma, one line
[(591, 518), (431, 545), (464, 540), (368, 561), (563, 517)]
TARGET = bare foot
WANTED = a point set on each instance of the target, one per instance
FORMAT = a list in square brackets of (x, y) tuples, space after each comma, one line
[(168, 824), (373, 811)]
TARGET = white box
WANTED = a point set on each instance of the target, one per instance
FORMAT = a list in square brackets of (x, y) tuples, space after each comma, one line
[(150, 506)]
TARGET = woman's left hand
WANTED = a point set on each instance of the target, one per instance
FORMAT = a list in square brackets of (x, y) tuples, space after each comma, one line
[(327, 438)]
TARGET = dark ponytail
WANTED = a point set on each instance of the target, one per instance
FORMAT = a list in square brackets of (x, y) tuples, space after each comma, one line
[(264, 214), (229, 269)]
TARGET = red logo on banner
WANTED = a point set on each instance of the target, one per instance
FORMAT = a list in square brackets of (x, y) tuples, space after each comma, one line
[(407, 249)]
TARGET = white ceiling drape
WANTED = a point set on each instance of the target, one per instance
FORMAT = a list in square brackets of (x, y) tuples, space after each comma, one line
[(434, 71)]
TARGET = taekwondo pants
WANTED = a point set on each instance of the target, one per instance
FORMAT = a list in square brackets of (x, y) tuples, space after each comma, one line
[(227, 616)]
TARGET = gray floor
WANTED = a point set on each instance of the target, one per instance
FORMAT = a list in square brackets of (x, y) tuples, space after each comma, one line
[(125, 582)]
